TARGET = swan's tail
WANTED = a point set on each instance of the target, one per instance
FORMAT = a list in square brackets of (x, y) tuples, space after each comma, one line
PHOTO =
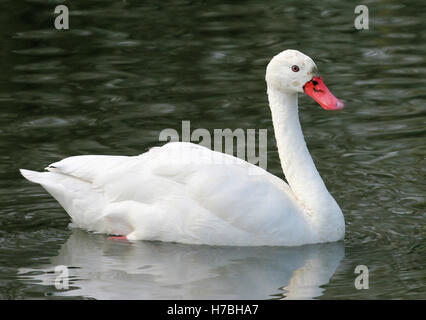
[(33, 176), (78, 197)]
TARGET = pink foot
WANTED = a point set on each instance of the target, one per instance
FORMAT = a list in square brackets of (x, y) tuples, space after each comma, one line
[(118, 238)]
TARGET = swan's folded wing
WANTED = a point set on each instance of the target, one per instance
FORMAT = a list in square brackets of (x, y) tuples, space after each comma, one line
[(187, 187)]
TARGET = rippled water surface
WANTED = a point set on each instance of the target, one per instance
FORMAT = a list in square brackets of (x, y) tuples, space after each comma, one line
[(125, 71)]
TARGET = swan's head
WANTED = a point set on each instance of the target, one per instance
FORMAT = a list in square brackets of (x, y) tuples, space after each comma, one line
[(293, 72)]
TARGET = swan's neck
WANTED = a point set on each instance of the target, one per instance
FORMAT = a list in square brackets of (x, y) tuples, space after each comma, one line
[(297, 164)]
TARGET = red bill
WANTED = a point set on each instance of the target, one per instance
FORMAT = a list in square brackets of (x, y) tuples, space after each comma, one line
[(318, 91)]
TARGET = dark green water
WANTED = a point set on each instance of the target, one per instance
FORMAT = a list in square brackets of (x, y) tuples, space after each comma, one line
[(125, 71)]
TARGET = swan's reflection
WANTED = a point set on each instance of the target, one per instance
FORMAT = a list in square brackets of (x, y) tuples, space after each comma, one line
[(110, 269)]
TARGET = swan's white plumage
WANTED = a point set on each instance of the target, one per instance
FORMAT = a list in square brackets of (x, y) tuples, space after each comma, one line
[(182, 192), (160, 195)]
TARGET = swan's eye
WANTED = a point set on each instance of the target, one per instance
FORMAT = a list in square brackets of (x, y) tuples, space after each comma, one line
[(295, 68)]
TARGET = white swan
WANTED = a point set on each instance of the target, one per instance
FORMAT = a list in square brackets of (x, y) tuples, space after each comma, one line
[(160, 195)]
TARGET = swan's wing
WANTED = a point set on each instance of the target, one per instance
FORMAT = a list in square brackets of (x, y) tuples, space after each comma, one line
[(180, 192)]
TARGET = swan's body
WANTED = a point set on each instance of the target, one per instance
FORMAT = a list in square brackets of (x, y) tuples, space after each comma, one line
[(186, 193)]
